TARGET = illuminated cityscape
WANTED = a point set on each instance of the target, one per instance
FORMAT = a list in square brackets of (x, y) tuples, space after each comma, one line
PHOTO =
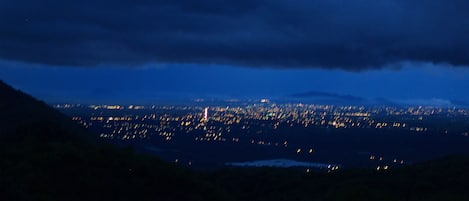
[(316, 133), (259, 100)]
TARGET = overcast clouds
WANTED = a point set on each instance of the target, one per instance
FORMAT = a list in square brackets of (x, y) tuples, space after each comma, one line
[(352, 35)]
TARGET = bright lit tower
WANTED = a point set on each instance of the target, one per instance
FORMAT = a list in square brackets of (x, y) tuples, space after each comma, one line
[(206, 114)]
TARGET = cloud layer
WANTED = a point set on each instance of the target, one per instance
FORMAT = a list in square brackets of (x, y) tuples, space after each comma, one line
[(351, 35)]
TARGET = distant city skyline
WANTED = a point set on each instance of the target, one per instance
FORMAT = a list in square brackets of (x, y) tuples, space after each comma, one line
[(379, 137)]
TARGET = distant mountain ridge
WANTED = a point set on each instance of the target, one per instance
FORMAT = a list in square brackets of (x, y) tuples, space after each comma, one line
[(313, 94), (319, 97), (327, 98)]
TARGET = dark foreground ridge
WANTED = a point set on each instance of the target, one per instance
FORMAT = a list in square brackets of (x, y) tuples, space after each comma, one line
[(43, 156)]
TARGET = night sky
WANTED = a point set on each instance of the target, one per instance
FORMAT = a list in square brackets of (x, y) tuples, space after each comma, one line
[(407, 51)]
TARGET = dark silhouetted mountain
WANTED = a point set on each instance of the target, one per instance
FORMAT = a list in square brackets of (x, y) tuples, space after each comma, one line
[(44, 156), (20, 111)]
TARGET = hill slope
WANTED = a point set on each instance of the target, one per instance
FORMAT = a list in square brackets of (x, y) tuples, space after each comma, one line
[(43, 156)]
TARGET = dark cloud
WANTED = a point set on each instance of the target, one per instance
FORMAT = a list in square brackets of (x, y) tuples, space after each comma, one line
[(351, 35)]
